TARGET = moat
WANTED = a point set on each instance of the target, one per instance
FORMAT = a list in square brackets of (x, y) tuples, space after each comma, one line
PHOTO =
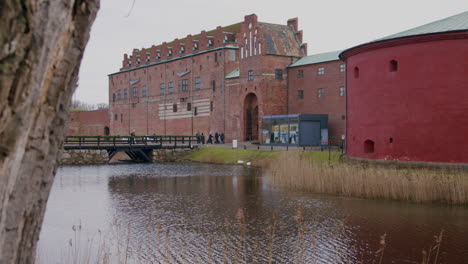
[(190, 213)]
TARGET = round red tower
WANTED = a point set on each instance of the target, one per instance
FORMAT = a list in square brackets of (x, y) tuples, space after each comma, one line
[(407, 94)]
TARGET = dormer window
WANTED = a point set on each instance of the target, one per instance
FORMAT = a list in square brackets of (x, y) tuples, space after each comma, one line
[(129, 64), (158, 55), (148, 57), (225, 39), (169, 52), (138, 60), (210, 43), (195, 46), (182, 49)]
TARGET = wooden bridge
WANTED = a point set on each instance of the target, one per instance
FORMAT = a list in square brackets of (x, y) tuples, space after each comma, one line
[(138, 148)]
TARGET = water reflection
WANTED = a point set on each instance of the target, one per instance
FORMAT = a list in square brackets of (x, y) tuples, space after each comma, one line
[(189, 213)]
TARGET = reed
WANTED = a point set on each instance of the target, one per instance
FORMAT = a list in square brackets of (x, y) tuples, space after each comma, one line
[(120, 246), (295, 171)]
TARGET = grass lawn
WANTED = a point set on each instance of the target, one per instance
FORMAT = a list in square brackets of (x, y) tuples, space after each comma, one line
[(258, 158)]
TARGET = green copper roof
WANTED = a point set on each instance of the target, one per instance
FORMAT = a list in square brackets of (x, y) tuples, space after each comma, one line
[(453, 23), (316, 58), (233, 74)]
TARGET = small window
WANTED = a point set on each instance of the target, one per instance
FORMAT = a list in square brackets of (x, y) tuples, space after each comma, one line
[(195, 111), (144, 91), (169, 52), (342, 68), (393, 65), (390, 140), (185, 85), (342, 91), (279, 74), (121, 118), (162, 88), (138, 60), (118, 95), (368, 146), (343, 117), (213, 85), (125, 93), (300, 73), (210, 43), (182, 50), (195, 46), (116, 117), (250, 76), (197, 83), (300, 94), (158, 55), (148, 57), (189, 106), (216, 57), (211, 106), (232, 55), (321, 93), (170, 87), (174, 108), (356, 72), (135, 92), (321, 71)]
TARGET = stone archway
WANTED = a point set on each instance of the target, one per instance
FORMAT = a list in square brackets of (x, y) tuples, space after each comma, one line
[(251, 117)]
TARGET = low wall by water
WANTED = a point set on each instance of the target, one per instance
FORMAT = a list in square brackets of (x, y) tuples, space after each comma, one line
[(171, 155), (83, 156), (89, 156)]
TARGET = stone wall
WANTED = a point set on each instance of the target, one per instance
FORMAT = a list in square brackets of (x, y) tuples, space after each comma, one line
[(171, 155), (88, 157), (83, 157)]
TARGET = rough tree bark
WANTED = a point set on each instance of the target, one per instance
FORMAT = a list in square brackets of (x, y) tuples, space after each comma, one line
[(41, 46)]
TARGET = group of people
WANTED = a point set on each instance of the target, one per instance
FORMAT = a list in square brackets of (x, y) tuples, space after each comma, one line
[(218, 138)]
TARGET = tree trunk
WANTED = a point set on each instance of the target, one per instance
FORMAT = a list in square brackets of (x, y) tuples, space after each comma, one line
[(41, 46)]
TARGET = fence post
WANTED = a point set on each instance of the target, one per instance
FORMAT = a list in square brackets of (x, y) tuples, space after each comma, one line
[(98, 141), (175, 141)]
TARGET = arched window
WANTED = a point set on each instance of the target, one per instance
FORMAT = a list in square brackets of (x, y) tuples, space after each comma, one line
[(368, 146), (393, 65), (356, 72)]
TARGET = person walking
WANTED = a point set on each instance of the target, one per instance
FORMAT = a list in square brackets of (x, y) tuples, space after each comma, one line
[(203, 138), (132, 139), (210, 139), (216, 138), (222, 137)]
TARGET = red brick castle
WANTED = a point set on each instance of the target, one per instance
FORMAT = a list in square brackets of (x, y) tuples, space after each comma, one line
[(224, 80)]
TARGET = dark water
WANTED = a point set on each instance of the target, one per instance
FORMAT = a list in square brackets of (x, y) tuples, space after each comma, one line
[(190, 213)]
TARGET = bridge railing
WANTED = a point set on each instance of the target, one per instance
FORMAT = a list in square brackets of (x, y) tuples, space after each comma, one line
[(121, 141)]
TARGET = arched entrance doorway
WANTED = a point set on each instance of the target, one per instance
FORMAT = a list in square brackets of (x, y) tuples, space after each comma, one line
[(251, 117)]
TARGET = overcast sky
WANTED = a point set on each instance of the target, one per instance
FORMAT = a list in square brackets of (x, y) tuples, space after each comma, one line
[(328, 25)]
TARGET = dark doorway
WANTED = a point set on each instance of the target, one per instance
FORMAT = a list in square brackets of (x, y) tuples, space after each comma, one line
[(368, 146), (251, 117), (106, 131)]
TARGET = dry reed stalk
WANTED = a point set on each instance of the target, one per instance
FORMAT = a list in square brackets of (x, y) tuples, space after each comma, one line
[(272, 228), (292, 170), (381, 250), (242, 224)]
